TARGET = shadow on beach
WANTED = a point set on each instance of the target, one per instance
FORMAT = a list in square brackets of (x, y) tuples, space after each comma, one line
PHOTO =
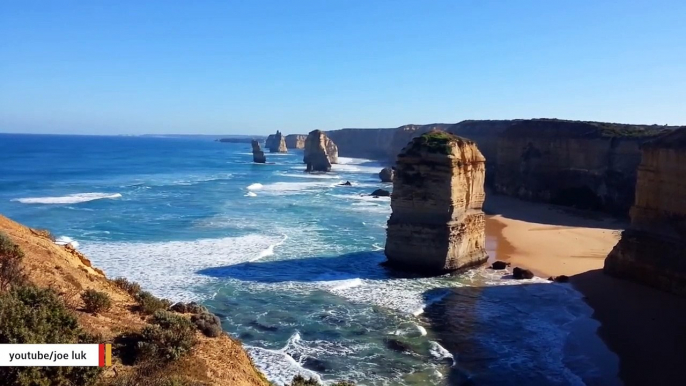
[(541, 213)]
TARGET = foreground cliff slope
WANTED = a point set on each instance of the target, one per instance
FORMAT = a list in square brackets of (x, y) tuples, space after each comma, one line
[(653, 250), (212, 361), (437, 223)]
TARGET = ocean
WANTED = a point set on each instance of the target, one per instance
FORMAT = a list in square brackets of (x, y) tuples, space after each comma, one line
[(290, 262)]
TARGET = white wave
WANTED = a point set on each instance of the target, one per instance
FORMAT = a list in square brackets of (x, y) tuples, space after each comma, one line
[(429, 302), (170, 269), (269, 251), (278, 366), (250, 194), (66, 240), (255, 186), (345, 284), (439, 352), (422, 330), (312, 175), (352, 161), (411, 329), (68, 199)]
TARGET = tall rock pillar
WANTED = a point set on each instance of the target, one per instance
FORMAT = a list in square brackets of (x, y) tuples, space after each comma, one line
[(437, 224)]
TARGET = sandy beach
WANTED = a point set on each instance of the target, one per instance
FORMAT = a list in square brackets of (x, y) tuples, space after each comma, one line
[(645, 327)]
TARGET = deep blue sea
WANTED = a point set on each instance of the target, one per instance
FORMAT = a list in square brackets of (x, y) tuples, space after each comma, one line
[(290, 262)]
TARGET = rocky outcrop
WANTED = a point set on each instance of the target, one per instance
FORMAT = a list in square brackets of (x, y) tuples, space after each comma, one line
[(437, 224), (295, 141), (257, 153), (653, 250), (588, 165), (276, 143), (387, 174), (320, 152)]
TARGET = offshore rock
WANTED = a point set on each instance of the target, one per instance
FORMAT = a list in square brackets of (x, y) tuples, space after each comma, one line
[(387, 174), (381, 193), (276, 143), (437, 224), (521, 273), (296, 141), (320, 152), (653, 250), (257, 153)]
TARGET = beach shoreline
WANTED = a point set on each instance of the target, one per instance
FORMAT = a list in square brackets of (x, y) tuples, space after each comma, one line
[(644, 327)]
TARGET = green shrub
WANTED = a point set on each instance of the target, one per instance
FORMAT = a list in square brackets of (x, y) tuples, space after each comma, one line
[(131, 287), (32, 315), (96, 301), (208, 323), (169, 338), (436, 142), (149, 303), (11, 271), (188, 308)]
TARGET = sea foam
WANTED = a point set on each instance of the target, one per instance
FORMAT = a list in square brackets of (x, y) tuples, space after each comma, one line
[(68, 199)]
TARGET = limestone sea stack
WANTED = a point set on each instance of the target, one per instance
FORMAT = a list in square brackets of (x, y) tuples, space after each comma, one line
[(653, 250), (295, 141), (437, 223), (257, 153), (320, 152), (387, 174), (276, 143)]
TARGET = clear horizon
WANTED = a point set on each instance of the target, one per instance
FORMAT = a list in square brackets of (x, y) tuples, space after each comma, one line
[(250, 68)]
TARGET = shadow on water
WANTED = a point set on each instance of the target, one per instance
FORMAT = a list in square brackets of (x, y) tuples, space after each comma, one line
[(357, 265), (528, 334)]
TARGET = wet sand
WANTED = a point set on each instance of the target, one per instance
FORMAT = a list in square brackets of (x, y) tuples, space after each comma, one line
[(645, 327)]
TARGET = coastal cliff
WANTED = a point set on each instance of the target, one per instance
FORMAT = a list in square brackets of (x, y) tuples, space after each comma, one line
[(62, 275), (296, 141), (588, 165), (653, 250), (276, 143), (320, 152), (437, 223)]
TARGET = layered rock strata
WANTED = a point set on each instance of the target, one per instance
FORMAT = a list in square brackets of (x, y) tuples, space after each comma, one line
[(296, 141), (653, 250), (320, 152), (437, 223), (257, 153)]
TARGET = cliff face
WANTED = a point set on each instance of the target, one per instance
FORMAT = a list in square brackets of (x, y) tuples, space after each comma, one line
[(216, 361), (437, 224), (295, 141), (588, 165), (320, 152), (653, 250), (362, 143), (257, 153), (276, 143)]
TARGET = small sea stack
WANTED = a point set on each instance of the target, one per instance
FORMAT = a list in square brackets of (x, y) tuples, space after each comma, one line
[(257, 153), (653, 250), (437, 224), (387, 174), (320, 152), (276, 143)]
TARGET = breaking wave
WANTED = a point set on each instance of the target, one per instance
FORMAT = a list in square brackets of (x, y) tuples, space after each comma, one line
[(68, 199)]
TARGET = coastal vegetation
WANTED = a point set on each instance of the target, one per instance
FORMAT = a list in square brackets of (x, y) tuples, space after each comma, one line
[(96, 301)]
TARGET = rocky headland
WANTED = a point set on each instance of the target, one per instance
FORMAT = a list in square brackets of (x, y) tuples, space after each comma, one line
[(257, 153), (276, 143), (653, 250), (437, 223), (296, 141), (320, 152)]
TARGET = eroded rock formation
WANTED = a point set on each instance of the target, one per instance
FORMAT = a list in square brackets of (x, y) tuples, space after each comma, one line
[(387, 174), (320, 152), (257, 153), (276, 143), (653, 250), (437, 224), (295, 141)]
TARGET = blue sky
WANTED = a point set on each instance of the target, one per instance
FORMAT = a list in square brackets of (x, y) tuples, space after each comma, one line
[(252, 67)]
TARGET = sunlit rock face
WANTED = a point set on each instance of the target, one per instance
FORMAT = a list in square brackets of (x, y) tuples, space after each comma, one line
[(653, 250), (320, 152), (437, 223)]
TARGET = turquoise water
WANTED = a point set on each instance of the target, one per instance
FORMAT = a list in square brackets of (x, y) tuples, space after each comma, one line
[(290, 262)]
